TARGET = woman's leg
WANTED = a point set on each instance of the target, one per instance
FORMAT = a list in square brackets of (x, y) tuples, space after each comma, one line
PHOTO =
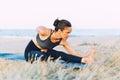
[(71, 58), (34, 55), (32, 52), (64, 56)]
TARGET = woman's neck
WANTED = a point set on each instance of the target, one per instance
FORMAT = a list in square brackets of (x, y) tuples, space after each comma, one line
[(56, 34)]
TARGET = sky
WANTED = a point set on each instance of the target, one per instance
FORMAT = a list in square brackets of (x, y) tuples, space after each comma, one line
[(83, 14)]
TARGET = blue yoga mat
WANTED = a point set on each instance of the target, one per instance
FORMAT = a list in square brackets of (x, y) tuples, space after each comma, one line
[(12, 56)]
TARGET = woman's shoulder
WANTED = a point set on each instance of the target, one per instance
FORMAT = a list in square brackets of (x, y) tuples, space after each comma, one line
[(43, 30), (63, 42)]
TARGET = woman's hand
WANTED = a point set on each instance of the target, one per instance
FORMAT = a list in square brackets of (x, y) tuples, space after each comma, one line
[(43, 50)]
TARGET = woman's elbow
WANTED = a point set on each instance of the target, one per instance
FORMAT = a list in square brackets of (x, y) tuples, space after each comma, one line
[(40, 29)]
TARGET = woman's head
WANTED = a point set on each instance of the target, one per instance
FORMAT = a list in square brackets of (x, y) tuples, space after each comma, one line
[(64, 27), (61, 24)]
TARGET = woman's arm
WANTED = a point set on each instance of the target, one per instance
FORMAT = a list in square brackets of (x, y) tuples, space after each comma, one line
[(70, 50), (42, 30)]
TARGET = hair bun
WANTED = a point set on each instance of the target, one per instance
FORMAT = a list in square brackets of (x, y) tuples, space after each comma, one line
[(56, 22)]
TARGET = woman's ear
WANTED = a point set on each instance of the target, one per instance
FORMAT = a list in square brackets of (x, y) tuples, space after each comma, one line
[(59, 30)]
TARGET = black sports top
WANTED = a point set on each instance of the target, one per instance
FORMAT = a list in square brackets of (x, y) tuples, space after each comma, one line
[(46, 44)]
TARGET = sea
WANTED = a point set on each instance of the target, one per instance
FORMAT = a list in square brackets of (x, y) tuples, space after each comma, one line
[(74, 33)]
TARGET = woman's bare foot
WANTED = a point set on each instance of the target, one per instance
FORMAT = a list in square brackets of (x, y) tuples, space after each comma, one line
[(90, 58)]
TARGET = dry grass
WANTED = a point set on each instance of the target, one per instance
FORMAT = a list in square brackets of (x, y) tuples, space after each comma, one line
[(106, 67)]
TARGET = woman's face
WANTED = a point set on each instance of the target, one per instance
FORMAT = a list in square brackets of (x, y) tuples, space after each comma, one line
[(66, 32)]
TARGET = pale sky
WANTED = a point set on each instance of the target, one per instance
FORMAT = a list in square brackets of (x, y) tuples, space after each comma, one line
[(83, 14)]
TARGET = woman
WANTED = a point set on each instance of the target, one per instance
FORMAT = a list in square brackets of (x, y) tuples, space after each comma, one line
[(46, 39)]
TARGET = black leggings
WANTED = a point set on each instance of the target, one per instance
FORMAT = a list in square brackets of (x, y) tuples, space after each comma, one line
[(32, 52)]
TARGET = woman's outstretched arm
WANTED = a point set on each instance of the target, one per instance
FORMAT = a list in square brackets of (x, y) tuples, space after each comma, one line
[(73, 52), (70, 50), (86, 58)]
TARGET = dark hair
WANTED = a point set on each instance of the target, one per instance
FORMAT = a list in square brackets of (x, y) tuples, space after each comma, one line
[(61, 24)]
